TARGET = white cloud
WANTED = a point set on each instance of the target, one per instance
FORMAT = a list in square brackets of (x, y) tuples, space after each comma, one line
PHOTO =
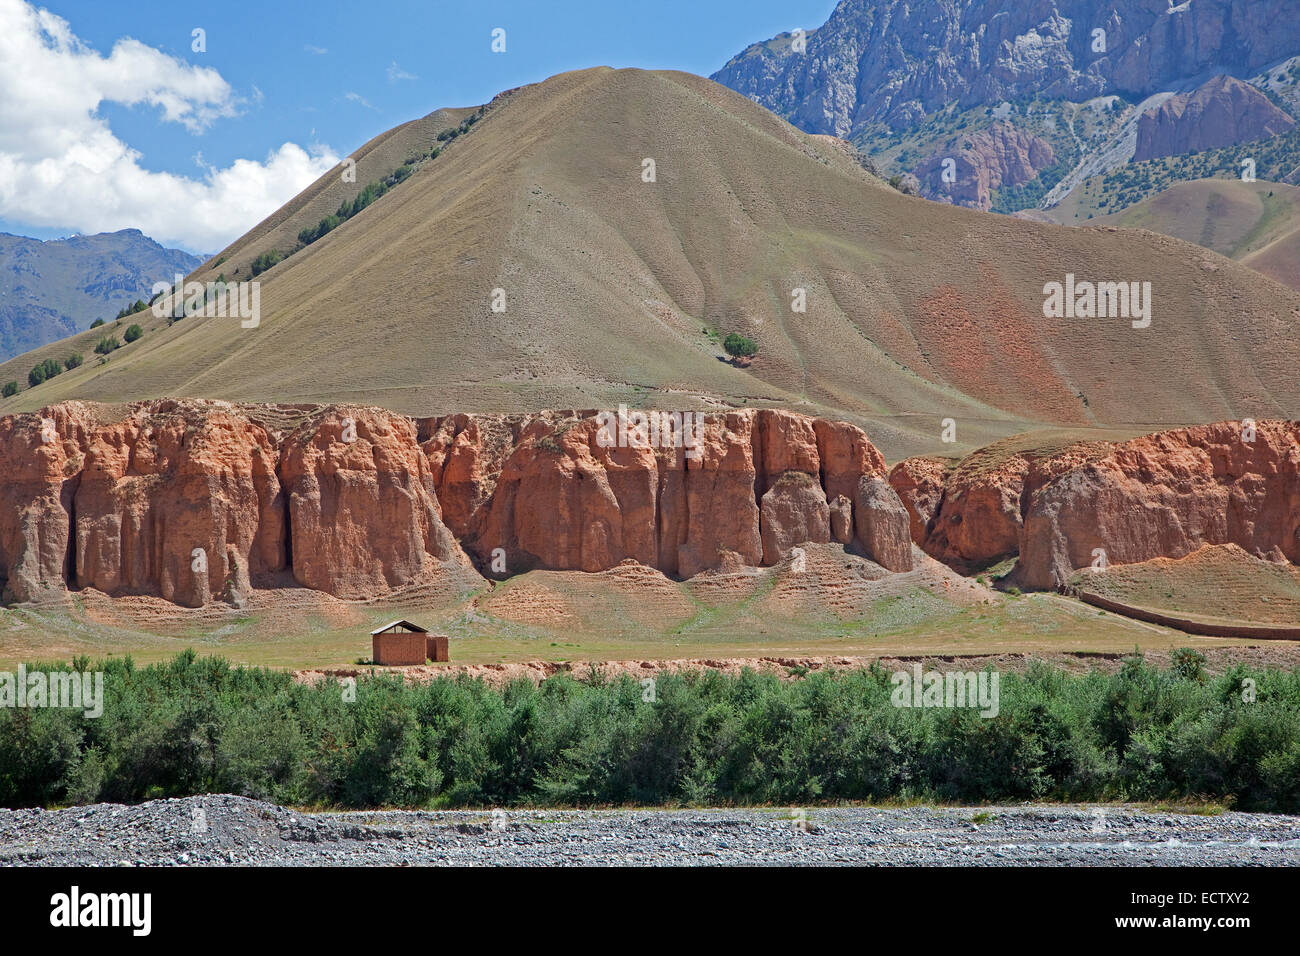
[(61, 166), (358, 98), (396, 73), (315, 50)]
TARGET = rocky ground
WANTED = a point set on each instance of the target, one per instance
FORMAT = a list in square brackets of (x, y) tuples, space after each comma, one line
[(226, 830), (1280, 654)]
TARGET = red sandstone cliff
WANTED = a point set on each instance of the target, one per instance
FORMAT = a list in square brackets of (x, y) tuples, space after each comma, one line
[(196, 501), (178, 500), (1162, 495), (543, 490), (1167, 495), (362, 510), (982, 162), (41, 457)]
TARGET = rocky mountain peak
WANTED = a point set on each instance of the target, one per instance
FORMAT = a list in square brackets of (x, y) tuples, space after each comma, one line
[(1221, 112), (896, 61)]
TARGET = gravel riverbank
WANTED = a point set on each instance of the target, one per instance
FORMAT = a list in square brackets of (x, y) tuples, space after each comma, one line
[(228, 830)]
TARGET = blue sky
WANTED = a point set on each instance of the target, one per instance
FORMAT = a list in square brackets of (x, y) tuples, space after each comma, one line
[(284, 89)]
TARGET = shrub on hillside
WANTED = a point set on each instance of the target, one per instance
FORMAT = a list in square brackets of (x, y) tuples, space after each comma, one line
[(738, 346), (10, 389), (108, 343), (132, 333), (349, 208), (73, 361), (328, 224), (266, 260), (43, 372)]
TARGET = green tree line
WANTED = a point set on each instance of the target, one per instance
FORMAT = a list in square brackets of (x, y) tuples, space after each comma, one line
[(197, 725)]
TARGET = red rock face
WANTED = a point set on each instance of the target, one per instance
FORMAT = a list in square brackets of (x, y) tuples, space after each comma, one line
[(197, 501), (466, 455), (562, 501), (201, 501), (882, 524), (792, 511), (979, 522), (543, 490), (716, 513), (363, 511), (1163, 495), (179, 501), (41, 458), (1167, 495), (845, 456), (918, 482), (1001, 155), (970, 514), (1224, 111), (841, 515)]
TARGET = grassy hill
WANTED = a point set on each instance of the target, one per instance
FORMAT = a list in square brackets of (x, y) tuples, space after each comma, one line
[(1257, 223), (617, 289), (1217, 583), (1277, 160)]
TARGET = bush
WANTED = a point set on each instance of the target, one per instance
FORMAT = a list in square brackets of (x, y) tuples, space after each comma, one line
[(97, 323), (197, 725), (108, 343), (328, 224), (73, 361), (10, 389), (132, 333), (266, 260), (1189, 664), (738, 346), (348, 209), (43, 372)]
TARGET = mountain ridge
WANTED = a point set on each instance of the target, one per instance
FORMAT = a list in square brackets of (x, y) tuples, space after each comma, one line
[(620, 290), (56, 287), (899, 60), (914, 82)]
